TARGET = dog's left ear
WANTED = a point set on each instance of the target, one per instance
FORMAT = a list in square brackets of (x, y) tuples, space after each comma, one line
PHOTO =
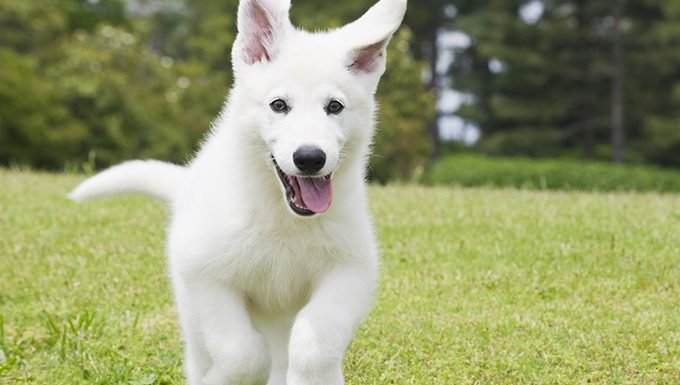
[(370, 34), (262, 24)]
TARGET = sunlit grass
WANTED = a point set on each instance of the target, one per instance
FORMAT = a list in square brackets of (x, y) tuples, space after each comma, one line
[(479, 286)]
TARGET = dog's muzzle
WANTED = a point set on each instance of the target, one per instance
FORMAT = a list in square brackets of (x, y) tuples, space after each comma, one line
[(306, 195)]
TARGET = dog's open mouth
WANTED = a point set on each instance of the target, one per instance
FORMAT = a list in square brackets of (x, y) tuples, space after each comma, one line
[(306, 195)]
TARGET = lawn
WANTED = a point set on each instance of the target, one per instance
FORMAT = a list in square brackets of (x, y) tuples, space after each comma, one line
[(479, 286)]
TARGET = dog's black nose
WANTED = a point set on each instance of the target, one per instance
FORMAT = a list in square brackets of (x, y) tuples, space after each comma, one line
[(309, 159)]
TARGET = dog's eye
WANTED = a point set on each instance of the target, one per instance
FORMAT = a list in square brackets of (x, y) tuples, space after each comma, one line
[(334, 107), (279, 105)]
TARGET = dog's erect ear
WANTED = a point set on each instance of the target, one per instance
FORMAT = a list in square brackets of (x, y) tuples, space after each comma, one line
[(261, 26), (370, 34)]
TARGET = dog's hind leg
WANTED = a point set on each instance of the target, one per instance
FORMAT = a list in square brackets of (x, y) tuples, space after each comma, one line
[(323, 328)]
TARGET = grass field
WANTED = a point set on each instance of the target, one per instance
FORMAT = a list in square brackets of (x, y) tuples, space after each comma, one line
[(479, 286)]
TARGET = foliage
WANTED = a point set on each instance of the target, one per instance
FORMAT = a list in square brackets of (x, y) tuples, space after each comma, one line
[(103, 77), (478, 286), (401, 149), (662, 134), (555, 174), (95, 82), (35, 128), (545, 87)]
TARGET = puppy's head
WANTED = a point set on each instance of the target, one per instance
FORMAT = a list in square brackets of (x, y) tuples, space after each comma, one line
[(309, 96)]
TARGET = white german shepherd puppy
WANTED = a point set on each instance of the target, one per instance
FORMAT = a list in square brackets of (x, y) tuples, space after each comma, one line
[(272, 254)]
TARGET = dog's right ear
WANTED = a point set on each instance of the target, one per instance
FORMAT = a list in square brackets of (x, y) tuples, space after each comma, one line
[(262, 24)]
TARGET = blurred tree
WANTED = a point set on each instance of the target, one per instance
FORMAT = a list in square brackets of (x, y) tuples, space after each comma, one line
[(27, 25), (88, 14), (70, 90), (656, 61), (116, 79), (197, 36), (35, 128), (428, 19), (547, 86), (538, 87), (125, 95), (401, 151), (129, 78)]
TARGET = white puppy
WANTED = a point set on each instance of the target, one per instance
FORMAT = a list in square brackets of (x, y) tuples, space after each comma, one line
[(272, 254)]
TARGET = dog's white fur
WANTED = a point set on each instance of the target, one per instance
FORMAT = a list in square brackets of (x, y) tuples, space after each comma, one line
[(265, 295)]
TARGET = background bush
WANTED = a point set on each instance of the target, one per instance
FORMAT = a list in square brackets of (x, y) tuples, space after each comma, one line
[(557, 174)]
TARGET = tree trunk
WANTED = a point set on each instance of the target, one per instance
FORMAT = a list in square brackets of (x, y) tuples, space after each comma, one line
[(433, 127), (584, 57), (617, 123), (158, 39)]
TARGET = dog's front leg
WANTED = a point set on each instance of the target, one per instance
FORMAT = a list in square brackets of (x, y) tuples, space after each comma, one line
[(239, 354), (323, 328)]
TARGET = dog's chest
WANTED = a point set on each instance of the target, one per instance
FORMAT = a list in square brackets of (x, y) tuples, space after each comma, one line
[(277, 270), (273, 261)]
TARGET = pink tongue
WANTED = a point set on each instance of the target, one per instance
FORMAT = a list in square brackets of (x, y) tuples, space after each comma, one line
[(317, 193)]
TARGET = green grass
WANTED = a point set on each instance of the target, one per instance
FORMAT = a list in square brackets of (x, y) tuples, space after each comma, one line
[(550, 174), (479, 286)]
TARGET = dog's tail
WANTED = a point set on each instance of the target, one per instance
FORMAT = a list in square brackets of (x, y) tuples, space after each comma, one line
[(149, 177)]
